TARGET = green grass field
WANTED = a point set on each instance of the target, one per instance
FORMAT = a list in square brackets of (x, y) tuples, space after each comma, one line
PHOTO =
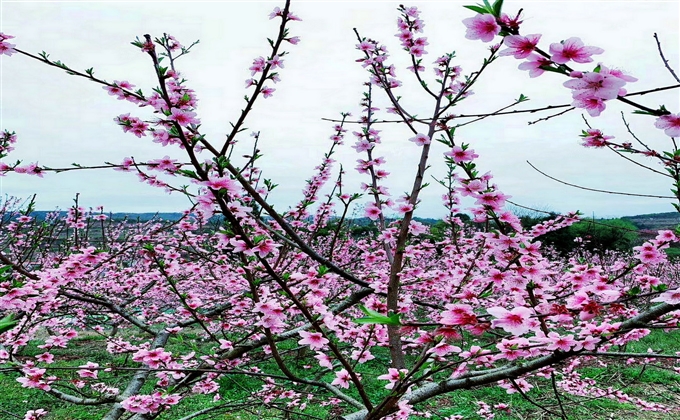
[(654, 383)]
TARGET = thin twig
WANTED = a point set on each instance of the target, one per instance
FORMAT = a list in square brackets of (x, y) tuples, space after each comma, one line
[(665, 61), (551, 116), (597, 190)]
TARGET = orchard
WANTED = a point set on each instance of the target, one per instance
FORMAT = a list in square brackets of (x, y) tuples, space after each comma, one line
[(242, 309)]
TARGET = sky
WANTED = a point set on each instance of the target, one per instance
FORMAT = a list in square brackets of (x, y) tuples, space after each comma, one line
[(61, 119)]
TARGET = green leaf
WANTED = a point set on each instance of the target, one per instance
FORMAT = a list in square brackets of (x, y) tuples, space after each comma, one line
[(660, 288), (188, 173), (497, 6), (373, 317), (597, 69), (477, 9), (7, 323)]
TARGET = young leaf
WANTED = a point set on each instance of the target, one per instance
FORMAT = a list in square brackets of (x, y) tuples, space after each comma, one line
[(373, 317), (477, 9), (497, 6)]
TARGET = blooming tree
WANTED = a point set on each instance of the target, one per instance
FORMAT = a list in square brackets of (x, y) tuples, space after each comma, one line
[(293, 298)]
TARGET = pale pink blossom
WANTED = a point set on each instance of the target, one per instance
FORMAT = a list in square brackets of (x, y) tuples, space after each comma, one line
[(315, 341), (516, 322), (420, 139), (671, 297), (534, 63), (460, 155), (572, 49), (342, 379), (670, 124), (482, 27), (520, 46)]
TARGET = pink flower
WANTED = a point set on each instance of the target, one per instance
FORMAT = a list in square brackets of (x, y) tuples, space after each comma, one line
[(293, 40), (516, 322), (267, 91), (5, 47), (534, 63), (258, 65), (183, 117), (558, 342), (366, 46), (315, 341), (405, 208), (342, 379), (420, 139), (595, 138), (443, 348), (593, 105), (670, 124), (45, 357), (459, 155), (520, 46), (457, 314), (265, 247), (275, 13), (35, 414), (671, 297), (482, 27), (87, 372), (324, 360), (276, 62), (494, 200), (372, 211), (572, 49), (222, 183), (165, 164), (393, 376), (595, 85)]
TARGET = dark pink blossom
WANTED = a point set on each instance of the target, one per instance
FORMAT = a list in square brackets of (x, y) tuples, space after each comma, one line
[(595, 138)]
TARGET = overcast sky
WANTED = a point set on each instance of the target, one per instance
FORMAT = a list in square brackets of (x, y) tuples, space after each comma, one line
[(60, 119)]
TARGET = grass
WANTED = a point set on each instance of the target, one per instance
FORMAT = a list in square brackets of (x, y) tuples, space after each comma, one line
[(655, 383)]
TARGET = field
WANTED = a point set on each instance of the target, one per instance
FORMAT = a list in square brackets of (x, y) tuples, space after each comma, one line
[(656, 382)]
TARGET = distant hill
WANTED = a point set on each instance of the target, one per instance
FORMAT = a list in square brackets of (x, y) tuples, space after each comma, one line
[(655, 221), (145, 217), (142, 217)]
